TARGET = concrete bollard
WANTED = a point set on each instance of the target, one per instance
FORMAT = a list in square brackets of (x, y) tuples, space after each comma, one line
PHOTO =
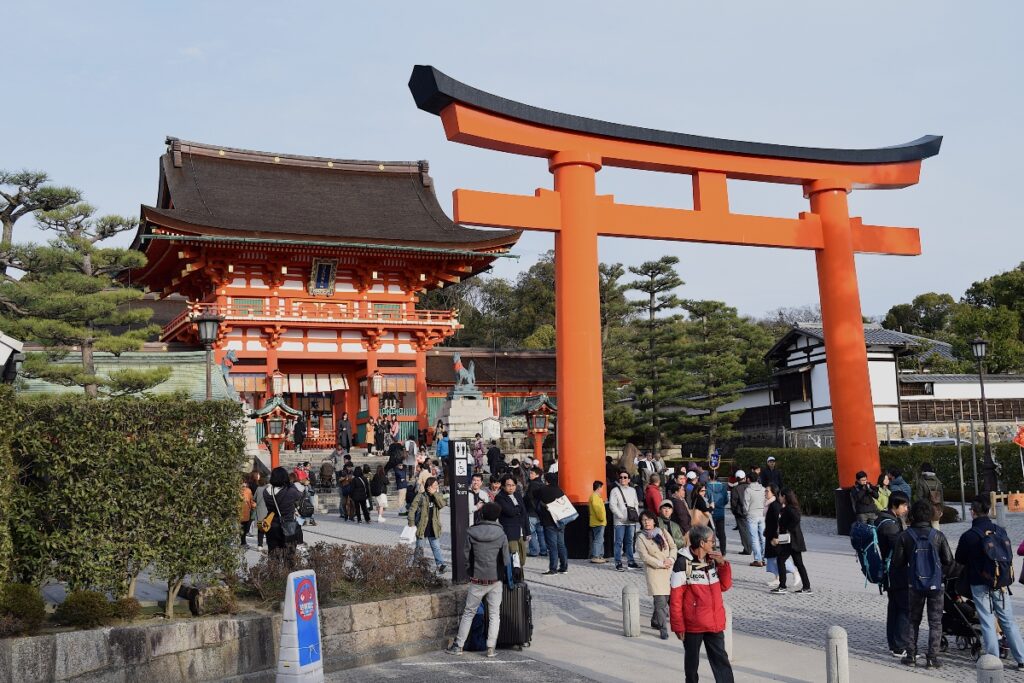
[(630, 611), (990, 669), (837, 656), (728, 632)]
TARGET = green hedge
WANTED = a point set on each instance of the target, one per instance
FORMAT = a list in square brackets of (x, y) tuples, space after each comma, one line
[(811, 472), (107, 488), (8, 424)]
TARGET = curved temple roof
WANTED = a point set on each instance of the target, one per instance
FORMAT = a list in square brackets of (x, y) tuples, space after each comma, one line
[(433, 91)]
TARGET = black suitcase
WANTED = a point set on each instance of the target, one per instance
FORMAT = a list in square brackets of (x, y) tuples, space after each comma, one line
[(516, 627)]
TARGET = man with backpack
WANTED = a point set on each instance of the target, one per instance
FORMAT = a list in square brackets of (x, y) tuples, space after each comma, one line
[(889, 525), (925, 554), (987, 555), (929, 487)]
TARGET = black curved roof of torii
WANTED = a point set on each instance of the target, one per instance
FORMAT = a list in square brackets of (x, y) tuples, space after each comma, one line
[(434, 90)]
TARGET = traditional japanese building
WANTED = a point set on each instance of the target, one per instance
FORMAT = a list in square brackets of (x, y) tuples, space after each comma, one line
[(316, 266)]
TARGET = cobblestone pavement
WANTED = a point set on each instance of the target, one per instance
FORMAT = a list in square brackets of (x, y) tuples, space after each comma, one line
[(437, 666), (840, 596)]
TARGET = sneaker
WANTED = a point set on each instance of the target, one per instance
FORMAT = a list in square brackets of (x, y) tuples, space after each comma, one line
[(598, 560), (909, 659), (619, 567), (806, 590), (563, 570), (453, 649), (245, 546), (441, 569), (898, 654), (1020, 666), (633, 565), (932, 663), (778, 591), (491, 652), (773, 584), (746, 552), (550, 572), (755, 563), (380, 519), (664, 633)]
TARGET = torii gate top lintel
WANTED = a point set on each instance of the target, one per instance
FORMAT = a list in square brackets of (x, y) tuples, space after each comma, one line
[(475, 117), (576, 149)]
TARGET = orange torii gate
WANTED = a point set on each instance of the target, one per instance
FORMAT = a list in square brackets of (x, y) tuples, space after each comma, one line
[(576, 148)]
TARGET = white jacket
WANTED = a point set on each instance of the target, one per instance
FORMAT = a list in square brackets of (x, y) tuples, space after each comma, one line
[(753, 500), (619, 499)]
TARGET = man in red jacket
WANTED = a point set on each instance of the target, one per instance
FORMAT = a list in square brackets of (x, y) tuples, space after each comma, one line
[(699, 577)]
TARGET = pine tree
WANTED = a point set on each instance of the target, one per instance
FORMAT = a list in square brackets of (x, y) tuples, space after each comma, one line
[(21, 193), (69, 297), (656, 370), (713, 358)]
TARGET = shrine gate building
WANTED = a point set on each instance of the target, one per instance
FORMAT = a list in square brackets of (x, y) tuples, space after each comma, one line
[(316, 266)]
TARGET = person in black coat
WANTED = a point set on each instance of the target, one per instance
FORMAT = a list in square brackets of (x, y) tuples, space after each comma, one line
[(299, 434), (789, 523), (514, 518), (360, 494), (344, 433), (863, 497), (889, 525), (495, 459), (282, 498), (771, 474)]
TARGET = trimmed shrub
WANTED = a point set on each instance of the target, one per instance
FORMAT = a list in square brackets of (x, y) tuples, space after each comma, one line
[(218, 600), (811, 472), (23, 607), (84, 609), (8, 425), (126, 609)]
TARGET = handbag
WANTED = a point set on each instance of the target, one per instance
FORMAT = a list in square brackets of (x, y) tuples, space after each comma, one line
[(562, 511), (289, 528), (407, 536), (784, 539)]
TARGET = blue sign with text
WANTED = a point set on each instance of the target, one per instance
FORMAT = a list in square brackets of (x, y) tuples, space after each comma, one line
[(307, 619)]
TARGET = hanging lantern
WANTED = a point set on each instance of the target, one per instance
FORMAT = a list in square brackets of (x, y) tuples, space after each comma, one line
[(275, 425), (277, 382), (378, 383)]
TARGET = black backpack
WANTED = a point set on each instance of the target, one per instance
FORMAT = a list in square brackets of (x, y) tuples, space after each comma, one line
[(997, 565), (306, 505)]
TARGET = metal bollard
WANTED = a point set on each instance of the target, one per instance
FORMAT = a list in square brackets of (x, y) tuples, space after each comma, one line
[(837, 656), (728, 631), (990, 669), (630, 612)]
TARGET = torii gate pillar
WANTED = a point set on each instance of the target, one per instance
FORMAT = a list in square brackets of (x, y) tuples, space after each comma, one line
[(576, 149)]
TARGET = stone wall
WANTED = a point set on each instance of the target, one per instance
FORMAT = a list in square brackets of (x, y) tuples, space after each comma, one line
[(241, 648)]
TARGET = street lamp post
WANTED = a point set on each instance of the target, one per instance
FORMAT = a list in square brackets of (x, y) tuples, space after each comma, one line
[(208, 325), (979, 347)]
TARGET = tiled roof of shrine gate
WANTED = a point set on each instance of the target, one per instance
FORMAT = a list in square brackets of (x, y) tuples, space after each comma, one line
[(205, 189)]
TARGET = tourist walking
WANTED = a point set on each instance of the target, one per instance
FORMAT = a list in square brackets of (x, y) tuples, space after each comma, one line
[(245, 507), (985, 551), (558, 556), (299, 434), (487, 559), (772, 512), (699, 577), (344, 434), (737, 504), (598, 523), (929, 488), (625, 509), (925, 553), (379, 491), (790, 541), (538, 544), (718, 495), (657, 551), (425, 514), (514, 519), (281, 499), (753, 506), (360, 495), (402, 484), (889, 524)]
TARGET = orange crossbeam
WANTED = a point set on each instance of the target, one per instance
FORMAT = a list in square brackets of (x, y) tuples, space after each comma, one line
[(540, 212)]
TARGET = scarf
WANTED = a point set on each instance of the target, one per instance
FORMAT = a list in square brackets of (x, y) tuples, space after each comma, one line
[(655, 535)]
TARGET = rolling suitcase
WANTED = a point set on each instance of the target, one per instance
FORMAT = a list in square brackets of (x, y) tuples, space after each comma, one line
[(516, 627)]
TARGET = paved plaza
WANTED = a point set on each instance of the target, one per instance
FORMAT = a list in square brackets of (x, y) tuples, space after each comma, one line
[(581, 610)]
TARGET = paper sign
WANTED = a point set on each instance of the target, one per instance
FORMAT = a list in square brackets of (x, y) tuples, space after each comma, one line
[(1015, 502)]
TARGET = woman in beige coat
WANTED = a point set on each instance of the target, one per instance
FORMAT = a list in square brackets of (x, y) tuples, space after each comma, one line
[(657, 552)]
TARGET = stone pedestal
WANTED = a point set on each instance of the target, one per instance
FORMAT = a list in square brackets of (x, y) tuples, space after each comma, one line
[(462, 415)]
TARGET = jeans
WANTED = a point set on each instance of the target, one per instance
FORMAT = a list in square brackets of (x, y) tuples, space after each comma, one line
[(714, 643), (474, 596), (755, 527), (624, 534), (918, 601), (992, 605), (720, 533), (435, 547), (744, 528), (897, 618), (597, 541), (538, 544), (558, 555)]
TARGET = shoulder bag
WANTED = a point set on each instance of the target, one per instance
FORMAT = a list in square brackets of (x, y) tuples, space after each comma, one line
[(632, 516), (289, 528)]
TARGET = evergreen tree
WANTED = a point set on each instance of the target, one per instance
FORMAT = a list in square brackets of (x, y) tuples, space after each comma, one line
[(712, 356), (616, 354), (69, 297), (655, 370), (21, 193)]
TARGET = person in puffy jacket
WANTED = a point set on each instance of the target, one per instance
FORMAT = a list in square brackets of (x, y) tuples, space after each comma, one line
[(699, 577)]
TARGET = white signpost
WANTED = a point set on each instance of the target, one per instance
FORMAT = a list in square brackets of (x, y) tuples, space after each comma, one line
[(301, 655)]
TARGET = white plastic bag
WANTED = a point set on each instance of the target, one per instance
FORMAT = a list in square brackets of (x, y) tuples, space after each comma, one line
[(408, 536)]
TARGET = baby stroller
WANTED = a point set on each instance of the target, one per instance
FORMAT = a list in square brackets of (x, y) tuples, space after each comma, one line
[(960, 622)]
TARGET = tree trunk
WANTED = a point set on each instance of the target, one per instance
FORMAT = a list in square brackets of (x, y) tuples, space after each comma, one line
[(5, 241), (173, 586), (131, 586), (89, 365)]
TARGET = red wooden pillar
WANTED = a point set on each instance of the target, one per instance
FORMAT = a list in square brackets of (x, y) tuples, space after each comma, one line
[(421, 390)]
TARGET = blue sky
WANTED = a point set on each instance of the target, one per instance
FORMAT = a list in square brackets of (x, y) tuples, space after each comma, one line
[(92, 89)]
